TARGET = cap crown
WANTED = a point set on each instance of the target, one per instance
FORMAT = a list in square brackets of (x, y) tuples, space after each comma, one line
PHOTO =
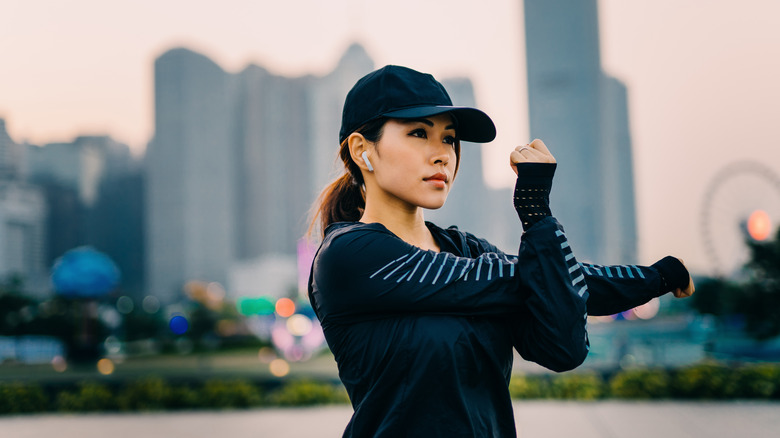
[(389, 89)]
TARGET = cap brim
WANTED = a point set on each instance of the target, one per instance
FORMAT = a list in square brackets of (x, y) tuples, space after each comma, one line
[(473, 125)]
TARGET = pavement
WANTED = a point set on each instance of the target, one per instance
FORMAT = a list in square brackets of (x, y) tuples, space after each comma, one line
[(535, 419)]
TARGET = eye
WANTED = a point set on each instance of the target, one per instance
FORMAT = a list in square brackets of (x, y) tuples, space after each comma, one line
[(450, 140), (419, 132)]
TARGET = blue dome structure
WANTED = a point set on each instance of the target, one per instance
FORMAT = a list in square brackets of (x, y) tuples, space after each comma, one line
[(84, 272)]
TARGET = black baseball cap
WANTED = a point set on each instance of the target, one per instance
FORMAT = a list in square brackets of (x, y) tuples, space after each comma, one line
[(402, 93)]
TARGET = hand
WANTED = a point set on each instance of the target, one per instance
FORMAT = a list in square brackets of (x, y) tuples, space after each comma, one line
[(534, 152), (688, 291)]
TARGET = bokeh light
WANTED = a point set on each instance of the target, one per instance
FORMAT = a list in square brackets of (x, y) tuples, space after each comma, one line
[(112, 345), (314, 339), (215, 296), (282, 338), (59, 364), (124, 305), (179, 324), (195, 290), (648, 310), (279, 367), (285, 307), (150, 304), (297, 338), (255, 306), (759, 225), (299, 325), (110, 316), (105, 366)]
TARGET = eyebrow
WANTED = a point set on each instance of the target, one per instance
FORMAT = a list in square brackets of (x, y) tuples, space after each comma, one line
[(426, 122)]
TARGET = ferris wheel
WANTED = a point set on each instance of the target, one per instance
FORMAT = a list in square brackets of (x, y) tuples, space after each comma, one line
[(742, 202)]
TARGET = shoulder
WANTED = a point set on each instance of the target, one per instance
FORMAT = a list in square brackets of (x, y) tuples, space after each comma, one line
[(348, 240), (352, 230), (466, 243)]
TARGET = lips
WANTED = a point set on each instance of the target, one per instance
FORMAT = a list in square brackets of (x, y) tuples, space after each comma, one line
[(437, 177), (438, 180)]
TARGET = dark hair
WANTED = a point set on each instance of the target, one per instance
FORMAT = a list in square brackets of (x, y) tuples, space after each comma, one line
[(344, 199)]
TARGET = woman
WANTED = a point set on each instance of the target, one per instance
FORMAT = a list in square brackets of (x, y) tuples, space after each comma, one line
[(422, 320)]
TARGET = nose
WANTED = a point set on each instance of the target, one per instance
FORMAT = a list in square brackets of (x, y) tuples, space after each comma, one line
[(441, 154)]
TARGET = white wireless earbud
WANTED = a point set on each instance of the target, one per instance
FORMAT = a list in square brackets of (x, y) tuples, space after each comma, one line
[(368, 163)]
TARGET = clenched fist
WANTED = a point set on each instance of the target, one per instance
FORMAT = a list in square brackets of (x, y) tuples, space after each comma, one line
[(535, 152)]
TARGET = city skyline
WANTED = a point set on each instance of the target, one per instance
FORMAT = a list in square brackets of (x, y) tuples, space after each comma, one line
[(700, 78)]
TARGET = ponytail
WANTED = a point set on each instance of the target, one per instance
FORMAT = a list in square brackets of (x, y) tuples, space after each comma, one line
[(342, 200)]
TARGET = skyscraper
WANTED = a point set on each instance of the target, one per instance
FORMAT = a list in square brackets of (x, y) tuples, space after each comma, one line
[(581, 114), (190, 179)]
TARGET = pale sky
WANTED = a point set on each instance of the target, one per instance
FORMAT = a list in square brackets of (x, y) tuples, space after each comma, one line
[(701, 74)]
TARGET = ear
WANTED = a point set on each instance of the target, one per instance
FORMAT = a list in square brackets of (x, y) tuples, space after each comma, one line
[(358, 146)]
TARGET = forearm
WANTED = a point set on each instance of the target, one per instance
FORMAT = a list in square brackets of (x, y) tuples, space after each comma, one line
[(532, 192), (615, 289)]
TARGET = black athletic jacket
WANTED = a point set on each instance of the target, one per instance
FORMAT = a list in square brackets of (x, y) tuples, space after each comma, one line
[(423, 340)]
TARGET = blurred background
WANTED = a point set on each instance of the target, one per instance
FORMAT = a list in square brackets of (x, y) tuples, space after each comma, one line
[(158, 161)]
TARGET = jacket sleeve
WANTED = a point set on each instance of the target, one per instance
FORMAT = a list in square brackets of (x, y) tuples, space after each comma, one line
[(615, 289)]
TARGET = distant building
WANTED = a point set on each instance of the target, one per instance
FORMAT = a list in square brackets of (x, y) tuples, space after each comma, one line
[(582, 115), (11, 156), (191, 166), (81, 164), (23, 216), (22, 235), (617, 176)]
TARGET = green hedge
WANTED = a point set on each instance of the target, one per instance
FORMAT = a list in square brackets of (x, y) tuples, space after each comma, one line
[(701, 381), (640, 384), (19, 398), (156, 394), (709, 380), (307, 393)]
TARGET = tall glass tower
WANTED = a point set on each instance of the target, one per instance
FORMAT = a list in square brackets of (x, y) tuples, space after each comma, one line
[(581, 114)]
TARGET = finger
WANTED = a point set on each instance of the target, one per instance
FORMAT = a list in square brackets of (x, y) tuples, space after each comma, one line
[(691, 287), (514, 158), (526, 154), (538, 145), (687, 292), (521, 154)]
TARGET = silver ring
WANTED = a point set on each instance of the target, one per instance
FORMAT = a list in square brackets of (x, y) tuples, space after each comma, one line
[(523, 148)]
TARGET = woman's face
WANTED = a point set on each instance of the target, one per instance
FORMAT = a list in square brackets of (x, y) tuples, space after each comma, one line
[(414, 161)]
